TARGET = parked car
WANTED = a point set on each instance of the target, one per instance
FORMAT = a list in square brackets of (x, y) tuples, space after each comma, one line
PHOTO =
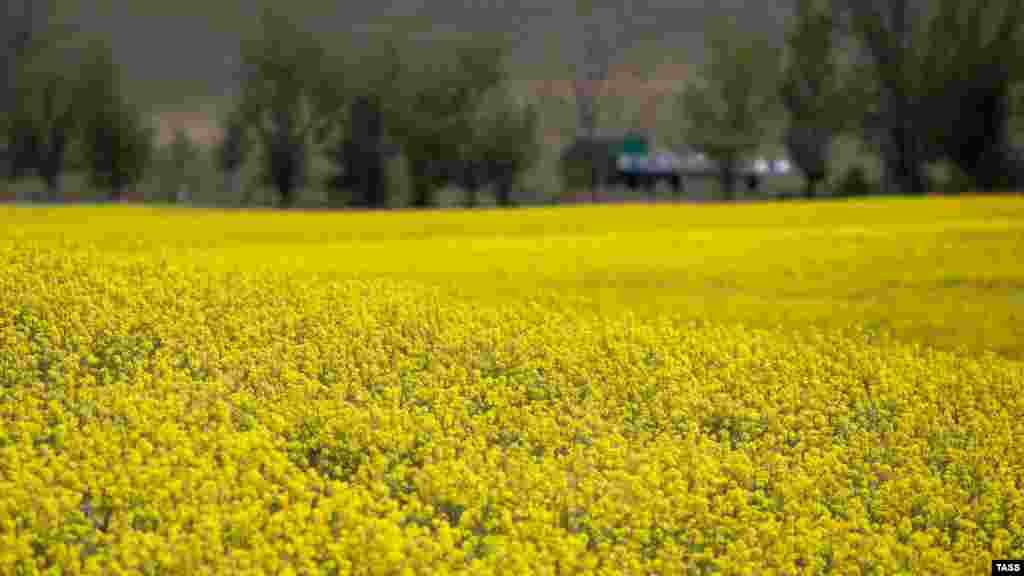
[(769, 166), (647, 170)]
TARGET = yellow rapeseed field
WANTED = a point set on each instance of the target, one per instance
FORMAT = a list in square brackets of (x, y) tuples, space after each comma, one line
[(807, 388)]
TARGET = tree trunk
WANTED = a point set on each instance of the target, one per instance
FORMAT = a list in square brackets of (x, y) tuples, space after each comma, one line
[(50, 165), (284, 178), (594, 180), (230, 182), (421, 183), (6, 163), (587, 122), (808, 147), (504, 192), (368, 164), (52, 187), (728, 178), (286, 194), (372, 178), (336, 198), (979, 138), (24, 151), (998, 172), (247, 196), (286, 169), (678, 186), (472, 197), (420, 193), (811, 185), (905, 161)]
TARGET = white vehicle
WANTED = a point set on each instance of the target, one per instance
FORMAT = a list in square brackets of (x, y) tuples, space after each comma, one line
[(647, 170), (661, 162), (699, 163), (769, 167)]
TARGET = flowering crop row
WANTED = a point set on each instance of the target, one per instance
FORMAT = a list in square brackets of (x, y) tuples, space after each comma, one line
[(942, 271), (164, 414)]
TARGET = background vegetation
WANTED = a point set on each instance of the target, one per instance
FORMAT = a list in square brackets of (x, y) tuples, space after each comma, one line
[(821, 101)]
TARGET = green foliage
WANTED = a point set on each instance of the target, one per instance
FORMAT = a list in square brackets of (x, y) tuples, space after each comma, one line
[(810, 91), (332, 454), (41, 114), (726, 112), (118, 144), (183, 154), (504, 140), (948, 62), (969, 79), (361, 112), (957, 181), (376, 71), (854, 182), (433, 116), (21, 143), (234, 147), (284, 90), (55, 126), (810, 78), (507, 131), (183, 149)]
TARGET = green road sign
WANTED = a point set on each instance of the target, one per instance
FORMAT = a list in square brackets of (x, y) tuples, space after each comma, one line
[(634, 145)]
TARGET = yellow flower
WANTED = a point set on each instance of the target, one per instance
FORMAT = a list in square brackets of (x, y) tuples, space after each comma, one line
[(226, 406)]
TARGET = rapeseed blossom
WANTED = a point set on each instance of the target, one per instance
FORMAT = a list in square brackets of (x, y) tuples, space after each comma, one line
[(181, 405)]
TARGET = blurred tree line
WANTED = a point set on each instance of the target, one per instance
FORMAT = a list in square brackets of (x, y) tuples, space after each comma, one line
[(919, 81), (64, 102), (448, 113), (922, 82)]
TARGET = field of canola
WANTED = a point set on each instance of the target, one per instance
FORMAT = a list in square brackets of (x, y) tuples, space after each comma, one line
[(808, 388)]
